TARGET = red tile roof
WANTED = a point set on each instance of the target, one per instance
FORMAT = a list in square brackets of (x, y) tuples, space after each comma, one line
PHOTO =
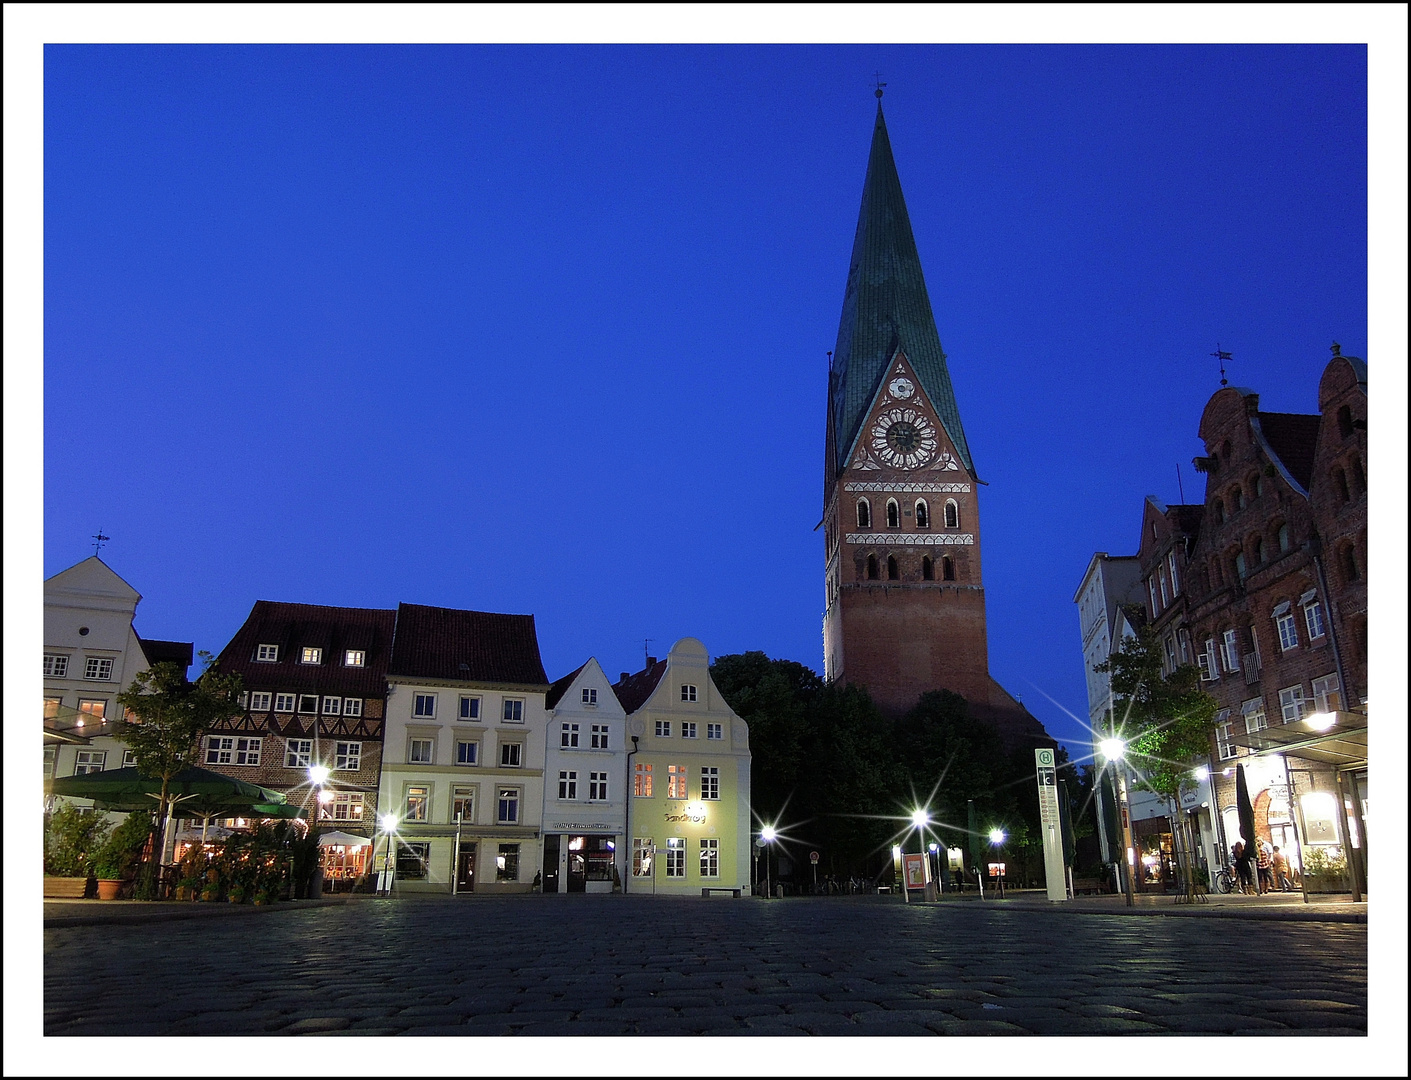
[(634, 690), (292, 627), (560, 687), (480, 646)]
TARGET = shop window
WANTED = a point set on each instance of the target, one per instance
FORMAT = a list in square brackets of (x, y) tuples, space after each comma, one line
[(412, 859), (676, 857), (507, 863), (642, 856), (710, 858)]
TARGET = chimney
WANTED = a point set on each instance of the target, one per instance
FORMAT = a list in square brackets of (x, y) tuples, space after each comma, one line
[(623, 677), (651, 660)]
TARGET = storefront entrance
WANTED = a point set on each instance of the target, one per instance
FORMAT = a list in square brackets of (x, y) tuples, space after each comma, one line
[(577, 864), (551, 863), (465, 869)]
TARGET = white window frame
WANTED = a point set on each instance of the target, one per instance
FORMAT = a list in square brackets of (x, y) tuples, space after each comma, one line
[(51, 758), (266, 654), (347, 757), (710, 858), (568, 784), (474, 745), (260, 701), (424, 706), (1291, 703), (89, 761), (676, 856), (311, 655), (465, 796), (513, 750), (98, 668), (1224, 730), (353, 706), (1205, 660), (1313, 619), (688, 729), (422, 793), (298, 753), (308, 704), (590, 696), (354, 657), (1151, 589), (715, 731), (56, 666), (129, 759), (237, 750), (642, 849), (568, 736), (710, 783), (1255, 718), (642, 780), (1229, 645), (95, 708), (1286, 628), (512, 712), (951, 514), (598, 737), (1175, 579), (332, 706), (676, 782), (342, 806), (514, 797), (421, 750), (1323, 688), (284, 703), (663, 729), (688, 691), (597, 787)]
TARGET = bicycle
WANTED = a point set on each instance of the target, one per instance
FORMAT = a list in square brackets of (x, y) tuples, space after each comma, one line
[(1224, 881)]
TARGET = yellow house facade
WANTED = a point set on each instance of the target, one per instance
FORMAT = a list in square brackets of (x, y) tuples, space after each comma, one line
[(689, 778)]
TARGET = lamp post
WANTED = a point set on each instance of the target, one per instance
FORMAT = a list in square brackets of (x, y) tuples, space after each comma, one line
[(1114, 750), (767, 834), (919, 820), (997, 842), (389, 826), (318, 776)]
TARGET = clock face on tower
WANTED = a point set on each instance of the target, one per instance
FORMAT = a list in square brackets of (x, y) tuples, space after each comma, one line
[(904, 439)]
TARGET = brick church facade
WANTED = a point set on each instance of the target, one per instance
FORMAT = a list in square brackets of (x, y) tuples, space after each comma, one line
[(901, 519)]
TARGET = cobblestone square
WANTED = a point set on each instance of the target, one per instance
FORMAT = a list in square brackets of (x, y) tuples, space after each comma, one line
[(633, 965)]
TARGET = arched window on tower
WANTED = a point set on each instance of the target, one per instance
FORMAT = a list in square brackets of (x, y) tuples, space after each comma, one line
[(893, 514), (1219, 512), (1283, 534), (1340, 479), (947, 568), (1358, 475), (1237, 498), (1258, 548), (872, 568), (1347, 557), (952, 514), (923, 514), (928, 570), (864, 514), (893, 574), (1345, 421)]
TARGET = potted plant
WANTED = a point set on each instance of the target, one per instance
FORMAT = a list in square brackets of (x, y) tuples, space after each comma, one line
[(113, 863), (72, 837), (236, 893)]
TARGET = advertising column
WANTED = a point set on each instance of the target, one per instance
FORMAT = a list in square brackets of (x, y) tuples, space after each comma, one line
[(1047, 775)]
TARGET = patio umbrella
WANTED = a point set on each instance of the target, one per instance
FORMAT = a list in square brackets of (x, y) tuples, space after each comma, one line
[(1246, 814), (342, 839)]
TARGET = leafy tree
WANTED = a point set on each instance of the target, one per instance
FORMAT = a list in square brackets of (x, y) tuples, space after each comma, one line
[(165, 714), (72, 839)]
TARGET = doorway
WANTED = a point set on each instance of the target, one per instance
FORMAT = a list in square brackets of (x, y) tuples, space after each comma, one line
[(577, 864), (465, 869), (551, 863)]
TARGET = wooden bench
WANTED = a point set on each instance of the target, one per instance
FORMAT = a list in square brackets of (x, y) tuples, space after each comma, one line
[(1087, 885), (707, 890)]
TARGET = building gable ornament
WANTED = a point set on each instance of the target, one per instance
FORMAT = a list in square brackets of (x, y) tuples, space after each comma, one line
[(946, 463), (904, 485), (864, 461), (908, 539)]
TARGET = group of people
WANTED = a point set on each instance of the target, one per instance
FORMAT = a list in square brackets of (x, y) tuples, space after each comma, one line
[(1267, 862)]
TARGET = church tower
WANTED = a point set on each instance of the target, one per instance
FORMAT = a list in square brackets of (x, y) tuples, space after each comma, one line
[(905, 591)]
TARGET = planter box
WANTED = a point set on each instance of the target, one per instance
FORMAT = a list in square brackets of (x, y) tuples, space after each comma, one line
[(64, 888), (108, 888)]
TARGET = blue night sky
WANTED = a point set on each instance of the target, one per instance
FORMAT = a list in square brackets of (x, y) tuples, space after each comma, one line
[(543, 329)]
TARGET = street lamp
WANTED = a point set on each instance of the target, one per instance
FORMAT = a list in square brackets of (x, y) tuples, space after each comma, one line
[(1114, 750), (996, 840), (389, 826), (767, 836)]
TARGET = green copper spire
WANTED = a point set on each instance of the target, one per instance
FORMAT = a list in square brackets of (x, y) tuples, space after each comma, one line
[(885, 309)]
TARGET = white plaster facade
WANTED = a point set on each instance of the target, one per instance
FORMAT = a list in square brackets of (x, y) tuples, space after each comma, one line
[(585, 786)]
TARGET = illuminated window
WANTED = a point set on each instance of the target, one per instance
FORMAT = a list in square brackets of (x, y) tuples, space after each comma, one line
[(55, 666), (676, 857), (311, 656), (642, 780), (710, 782), (344, 806), (676, 781), (710, 858), (417, 803), (51, 707), (348, 756), (267, 654), (641, 856), (92, 709), (298, 753), (462, 804), (98, 668), (354, 658)]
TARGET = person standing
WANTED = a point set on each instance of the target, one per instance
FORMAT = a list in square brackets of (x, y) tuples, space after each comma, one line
[(1265, 863), (1242, 868), (1280, 863)]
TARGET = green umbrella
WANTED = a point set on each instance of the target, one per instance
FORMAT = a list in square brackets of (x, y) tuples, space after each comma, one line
[(195, 792)]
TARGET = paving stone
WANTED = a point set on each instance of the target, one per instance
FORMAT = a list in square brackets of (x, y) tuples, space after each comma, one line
[(316, 1023)]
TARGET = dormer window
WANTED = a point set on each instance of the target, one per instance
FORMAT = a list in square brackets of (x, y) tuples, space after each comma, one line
[(590, 695), (354, 658), (311, 656), (267, 654)]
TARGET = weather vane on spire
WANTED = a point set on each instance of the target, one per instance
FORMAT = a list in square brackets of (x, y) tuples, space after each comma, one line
[(99, 540), (1222, 357), (878, 76)]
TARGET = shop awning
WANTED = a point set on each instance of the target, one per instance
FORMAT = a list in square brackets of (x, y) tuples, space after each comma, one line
[(342, 839), (1343, 744)]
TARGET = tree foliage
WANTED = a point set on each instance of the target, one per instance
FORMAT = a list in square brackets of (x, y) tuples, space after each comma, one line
[(72, 839), (1167, 718)]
